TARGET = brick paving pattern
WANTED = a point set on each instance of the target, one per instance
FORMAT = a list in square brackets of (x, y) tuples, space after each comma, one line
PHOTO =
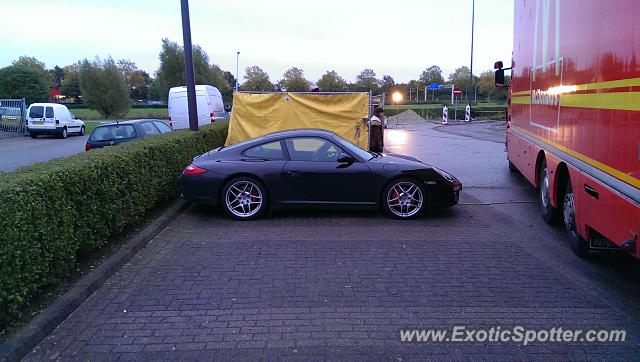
[(326, 286)]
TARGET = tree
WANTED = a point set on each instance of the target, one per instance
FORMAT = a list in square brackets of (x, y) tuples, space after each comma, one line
[(433, 74), (37, 66), (366, 81), (332, 82), (104, 88), (171, 71), (221, 81), (487, 88), (293, 80), (70, 85), (23, 81), (256, 79), (460, 78), (138, 81), (57, 74), (230, 79), (387, 83)]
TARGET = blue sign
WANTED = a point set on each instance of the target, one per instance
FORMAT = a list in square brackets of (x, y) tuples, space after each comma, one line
[(434, 86)]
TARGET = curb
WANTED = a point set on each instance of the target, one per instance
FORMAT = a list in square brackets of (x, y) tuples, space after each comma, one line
[(26, 338)]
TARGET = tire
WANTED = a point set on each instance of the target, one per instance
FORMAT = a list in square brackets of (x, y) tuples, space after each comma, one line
[(549, 213), (577, 243), (512, 167), (244, 198), (63, 134), (81, 133), (33, 135), (404, 198)]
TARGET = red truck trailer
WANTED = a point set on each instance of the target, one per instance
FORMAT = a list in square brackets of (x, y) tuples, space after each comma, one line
[(574, 116)]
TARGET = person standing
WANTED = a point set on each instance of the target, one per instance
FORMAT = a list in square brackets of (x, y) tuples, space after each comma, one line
[(376, 131)]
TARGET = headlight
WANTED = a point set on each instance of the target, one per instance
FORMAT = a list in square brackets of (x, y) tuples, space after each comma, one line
[(446, 175)]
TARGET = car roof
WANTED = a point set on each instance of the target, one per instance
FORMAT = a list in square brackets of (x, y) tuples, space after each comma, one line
[(129, 121), (299, 132)]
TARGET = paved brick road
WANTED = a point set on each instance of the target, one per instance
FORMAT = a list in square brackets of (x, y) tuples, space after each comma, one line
[(340, 286)]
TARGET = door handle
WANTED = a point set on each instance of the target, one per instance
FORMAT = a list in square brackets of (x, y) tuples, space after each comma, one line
[(292, 173), (591, 191)]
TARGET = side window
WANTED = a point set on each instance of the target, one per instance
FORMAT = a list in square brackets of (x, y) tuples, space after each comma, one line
[(269, 151), (162, 127), (312, 149), (149, 129), (49, 112)]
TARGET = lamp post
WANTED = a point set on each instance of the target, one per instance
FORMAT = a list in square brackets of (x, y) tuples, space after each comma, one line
[(188, 66), (473, 14), (237, 62), (397, 97)]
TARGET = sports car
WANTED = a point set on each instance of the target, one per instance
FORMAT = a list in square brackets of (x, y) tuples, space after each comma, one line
[(314, 168)]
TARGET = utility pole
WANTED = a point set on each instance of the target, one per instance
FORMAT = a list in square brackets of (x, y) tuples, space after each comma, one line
[(188, 66), (237, 62), (473, 13)]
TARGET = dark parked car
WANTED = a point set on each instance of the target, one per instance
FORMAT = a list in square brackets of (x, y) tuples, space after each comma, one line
[(314, 168), (115, 133)]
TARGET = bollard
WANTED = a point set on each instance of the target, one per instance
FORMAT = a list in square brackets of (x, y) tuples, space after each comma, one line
[(445, 115), (467, 113)]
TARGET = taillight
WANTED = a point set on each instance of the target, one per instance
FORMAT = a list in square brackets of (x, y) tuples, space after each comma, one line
[(213, 117), (170, 123), (87, 147), (193, 170)]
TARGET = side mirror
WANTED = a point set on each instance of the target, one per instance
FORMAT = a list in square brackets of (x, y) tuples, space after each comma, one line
[(344, 158), (499, 78)]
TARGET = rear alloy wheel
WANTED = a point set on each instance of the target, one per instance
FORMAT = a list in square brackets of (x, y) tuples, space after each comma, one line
[(404, 199), (577, 243), (244, 198), (548, 212), (63, 134)]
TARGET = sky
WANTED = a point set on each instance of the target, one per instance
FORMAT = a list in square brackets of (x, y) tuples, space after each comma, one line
[(399, 38)]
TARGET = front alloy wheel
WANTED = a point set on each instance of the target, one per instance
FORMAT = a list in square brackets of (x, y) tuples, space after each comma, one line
[(244, 198), (404, 199)]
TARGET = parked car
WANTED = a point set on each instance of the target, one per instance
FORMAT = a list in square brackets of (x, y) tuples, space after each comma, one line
[(208, 102), (302, 168), (115, 133), (52, 118)]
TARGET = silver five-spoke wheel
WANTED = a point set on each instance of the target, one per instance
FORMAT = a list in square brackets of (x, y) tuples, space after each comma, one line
[(404, 199), (244, 198)]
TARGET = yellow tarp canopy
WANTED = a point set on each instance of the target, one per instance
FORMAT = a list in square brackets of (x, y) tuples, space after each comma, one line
[(257, 114)]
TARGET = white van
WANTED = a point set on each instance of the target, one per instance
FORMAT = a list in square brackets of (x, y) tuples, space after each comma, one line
[(208, 102), (52, 118)]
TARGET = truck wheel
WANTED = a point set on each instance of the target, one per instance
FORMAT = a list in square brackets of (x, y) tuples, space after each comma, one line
[(577, 243), (548, 212), (512, 167), (81, 133), (33, 135), (63, 134)]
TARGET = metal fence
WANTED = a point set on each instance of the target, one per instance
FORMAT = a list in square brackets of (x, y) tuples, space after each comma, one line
[(13, 113)]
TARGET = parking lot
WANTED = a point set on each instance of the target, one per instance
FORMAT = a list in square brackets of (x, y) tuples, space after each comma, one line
[(327, 285), (24, 151)]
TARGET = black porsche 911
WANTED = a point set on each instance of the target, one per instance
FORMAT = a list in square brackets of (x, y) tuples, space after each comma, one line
[(310, 168)]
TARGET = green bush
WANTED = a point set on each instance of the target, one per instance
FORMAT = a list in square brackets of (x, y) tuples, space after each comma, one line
[(53, 212)]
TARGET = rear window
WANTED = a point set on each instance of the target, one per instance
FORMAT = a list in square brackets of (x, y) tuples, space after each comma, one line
[(36, 112), (113, 132), (49, 112)]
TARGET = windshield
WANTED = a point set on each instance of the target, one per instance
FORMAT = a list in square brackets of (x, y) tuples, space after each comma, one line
[(355, 150), (113, 132)]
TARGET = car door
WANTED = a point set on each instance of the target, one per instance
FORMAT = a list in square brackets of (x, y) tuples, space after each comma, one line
[(49, 116), (314, 176)]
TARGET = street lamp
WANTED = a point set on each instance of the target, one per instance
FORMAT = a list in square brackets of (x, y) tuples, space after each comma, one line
[(237, 62), (397, 97)]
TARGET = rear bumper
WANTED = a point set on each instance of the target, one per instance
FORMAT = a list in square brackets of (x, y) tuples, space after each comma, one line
[(203, 189), (45, 130)]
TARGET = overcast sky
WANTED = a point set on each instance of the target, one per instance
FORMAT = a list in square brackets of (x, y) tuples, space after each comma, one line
[(399, 38)]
